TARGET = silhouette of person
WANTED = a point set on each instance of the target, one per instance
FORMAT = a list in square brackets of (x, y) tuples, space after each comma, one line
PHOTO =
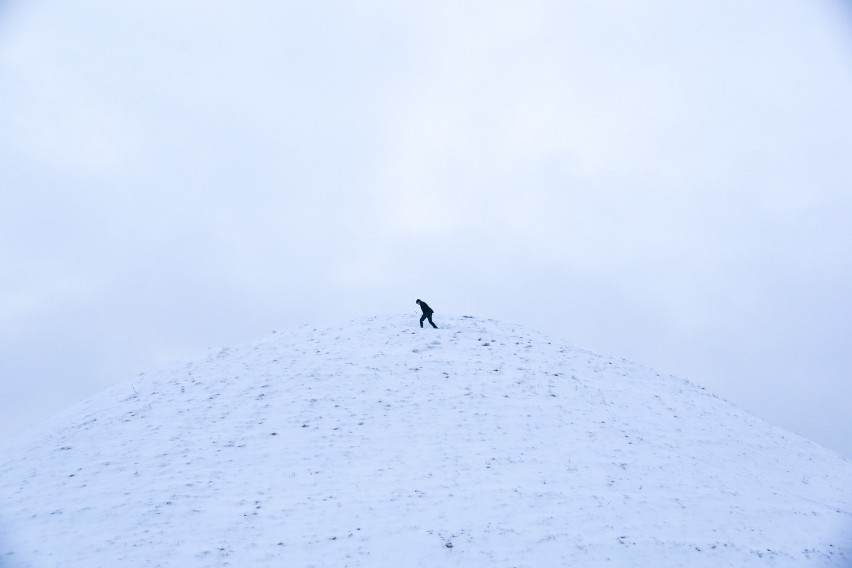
[(427, 313)]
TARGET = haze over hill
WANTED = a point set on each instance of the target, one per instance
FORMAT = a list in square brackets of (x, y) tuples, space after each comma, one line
[(667, 181), (376, 443)]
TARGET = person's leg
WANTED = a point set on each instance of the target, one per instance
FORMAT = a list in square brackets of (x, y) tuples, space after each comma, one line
[(423, 317), (429, 317)]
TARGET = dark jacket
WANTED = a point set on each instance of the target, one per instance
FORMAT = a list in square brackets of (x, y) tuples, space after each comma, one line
[(427, 311)]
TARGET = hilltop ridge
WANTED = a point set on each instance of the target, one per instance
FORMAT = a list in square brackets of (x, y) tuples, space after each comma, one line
[(377, 443)]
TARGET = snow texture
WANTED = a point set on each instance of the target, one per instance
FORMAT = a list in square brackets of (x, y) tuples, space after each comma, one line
[(382, 444)]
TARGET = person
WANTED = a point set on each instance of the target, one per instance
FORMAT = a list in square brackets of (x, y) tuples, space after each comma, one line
[(427, 313)]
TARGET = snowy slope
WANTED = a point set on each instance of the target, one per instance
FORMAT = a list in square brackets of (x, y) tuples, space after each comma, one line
[(381, 444)]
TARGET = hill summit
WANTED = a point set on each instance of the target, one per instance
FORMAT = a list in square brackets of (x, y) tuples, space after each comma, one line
[(378, 443)]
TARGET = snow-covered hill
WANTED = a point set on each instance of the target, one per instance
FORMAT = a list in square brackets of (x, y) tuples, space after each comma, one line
[(380, 444)]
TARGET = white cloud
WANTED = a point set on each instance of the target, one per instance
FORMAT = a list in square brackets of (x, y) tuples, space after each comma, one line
[(644, 179)]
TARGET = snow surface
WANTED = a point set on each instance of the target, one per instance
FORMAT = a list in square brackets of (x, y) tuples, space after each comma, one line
[(382, 444)]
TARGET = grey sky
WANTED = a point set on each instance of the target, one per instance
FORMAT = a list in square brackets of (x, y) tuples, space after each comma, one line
[(661, 181)]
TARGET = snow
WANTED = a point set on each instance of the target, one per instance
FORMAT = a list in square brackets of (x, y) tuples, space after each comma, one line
[(377, 443)]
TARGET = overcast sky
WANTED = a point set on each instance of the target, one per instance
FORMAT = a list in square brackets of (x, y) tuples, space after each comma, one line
[(663, 181)]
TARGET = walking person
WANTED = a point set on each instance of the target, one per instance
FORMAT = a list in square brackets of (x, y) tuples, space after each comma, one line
[(427, 313)]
